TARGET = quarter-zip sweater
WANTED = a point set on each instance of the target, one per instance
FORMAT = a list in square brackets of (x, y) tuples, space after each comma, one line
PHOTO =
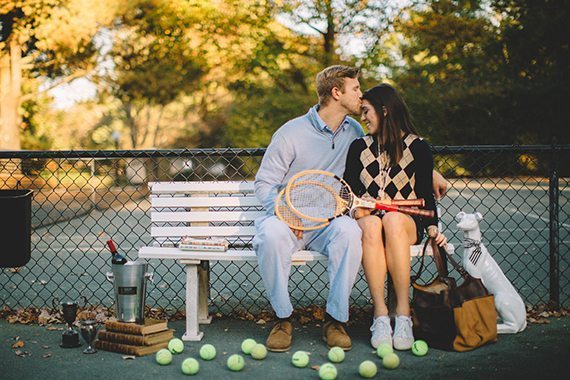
[(301, 144)]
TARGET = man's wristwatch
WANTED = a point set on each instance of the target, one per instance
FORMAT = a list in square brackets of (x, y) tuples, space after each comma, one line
[(432, 231)]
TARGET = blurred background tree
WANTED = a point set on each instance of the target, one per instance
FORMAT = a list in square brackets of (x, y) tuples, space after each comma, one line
[(213, 73)]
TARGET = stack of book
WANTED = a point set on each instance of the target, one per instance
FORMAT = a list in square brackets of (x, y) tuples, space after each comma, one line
[(134, 339), (212, 244)]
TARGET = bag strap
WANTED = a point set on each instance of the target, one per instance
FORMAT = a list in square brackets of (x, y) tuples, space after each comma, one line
[(440, 262)]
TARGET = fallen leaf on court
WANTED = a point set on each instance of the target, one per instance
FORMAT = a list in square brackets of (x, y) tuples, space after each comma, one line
[(48, 355), (54, 328), (316, 367), (18, 344), (22, 354), (128, 357), (261, 322), (45, 347)]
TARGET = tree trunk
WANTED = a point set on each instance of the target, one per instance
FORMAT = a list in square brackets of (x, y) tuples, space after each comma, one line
[(330, 35), (10, 96)]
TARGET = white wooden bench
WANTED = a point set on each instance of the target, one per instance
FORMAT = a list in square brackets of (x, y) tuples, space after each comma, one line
[(207, 209)]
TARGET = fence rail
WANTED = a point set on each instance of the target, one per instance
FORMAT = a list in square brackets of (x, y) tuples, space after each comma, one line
[(81, 198)]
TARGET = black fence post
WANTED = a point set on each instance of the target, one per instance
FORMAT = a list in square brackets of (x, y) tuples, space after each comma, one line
[(554, 195)]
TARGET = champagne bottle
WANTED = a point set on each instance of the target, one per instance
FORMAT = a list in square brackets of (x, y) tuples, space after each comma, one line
[(117, 257)]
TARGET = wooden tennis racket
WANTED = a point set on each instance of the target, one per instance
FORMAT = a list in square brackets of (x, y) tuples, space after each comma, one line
[(321, 196), (284, 212)]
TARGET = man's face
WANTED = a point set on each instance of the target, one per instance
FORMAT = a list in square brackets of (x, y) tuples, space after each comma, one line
[(351, 95)]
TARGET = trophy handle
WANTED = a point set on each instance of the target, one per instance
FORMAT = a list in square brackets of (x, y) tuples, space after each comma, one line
[(110, 276), (84, 301), (55, 303), (149, 276)]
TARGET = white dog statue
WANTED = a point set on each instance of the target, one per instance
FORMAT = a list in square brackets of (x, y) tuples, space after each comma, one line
[(479, 263)]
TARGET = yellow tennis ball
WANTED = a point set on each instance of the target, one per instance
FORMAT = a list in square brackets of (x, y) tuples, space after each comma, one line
[(190, 366), (236, 362), (207, 352), (336, 354), (327, 371), (420, 348), (367, 369), (391, 361), (259, 352), (300, 359), (175, 346), (247, 345), (384, 349), (163, 357)]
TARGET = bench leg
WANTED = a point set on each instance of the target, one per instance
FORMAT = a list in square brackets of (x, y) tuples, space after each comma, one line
[(204, 293), (192, 328)]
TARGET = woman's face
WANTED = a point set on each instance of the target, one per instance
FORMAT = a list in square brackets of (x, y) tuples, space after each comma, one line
[(369, 117)]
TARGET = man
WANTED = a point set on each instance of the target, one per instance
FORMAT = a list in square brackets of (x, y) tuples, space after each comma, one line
[(317, 140)]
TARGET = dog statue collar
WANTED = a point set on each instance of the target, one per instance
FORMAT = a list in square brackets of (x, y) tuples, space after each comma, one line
[(469, 243)]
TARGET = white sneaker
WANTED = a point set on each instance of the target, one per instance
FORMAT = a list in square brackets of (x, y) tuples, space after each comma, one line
[(403, 334), (381, 331)]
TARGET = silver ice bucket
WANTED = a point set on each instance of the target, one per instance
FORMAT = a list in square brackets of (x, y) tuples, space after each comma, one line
[(129, 281)]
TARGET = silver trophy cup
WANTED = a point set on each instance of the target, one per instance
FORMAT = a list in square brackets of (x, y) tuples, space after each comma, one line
[(89, 332)]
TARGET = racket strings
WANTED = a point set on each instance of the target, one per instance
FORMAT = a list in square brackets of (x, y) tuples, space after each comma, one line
[(284, 212), (318, 196)]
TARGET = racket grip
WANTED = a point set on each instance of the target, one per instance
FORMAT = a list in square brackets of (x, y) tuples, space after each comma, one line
[(413, 211)]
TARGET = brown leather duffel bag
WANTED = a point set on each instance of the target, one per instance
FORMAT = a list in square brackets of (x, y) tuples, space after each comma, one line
[(450, 316)]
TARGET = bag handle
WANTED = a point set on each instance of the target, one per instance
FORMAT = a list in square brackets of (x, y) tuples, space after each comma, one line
[(439, 257)]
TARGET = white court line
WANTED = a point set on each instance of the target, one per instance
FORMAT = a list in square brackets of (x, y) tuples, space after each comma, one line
[(534, 216)]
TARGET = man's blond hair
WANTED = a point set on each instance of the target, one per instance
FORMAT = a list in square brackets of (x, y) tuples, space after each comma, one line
[(331, 77)]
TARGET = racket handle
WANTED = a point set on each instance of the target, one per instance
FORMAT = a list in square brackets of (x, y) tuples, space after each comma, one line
[(406, 210), (420, 202)]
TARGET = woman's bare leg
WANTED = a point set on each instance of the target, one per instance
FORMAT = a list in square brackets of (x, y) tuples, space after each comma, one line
[(374, 261), (399, 234)]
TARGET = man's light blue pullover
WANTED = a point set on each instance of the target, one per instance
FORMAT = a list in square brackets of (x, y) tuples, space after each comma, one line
[(301, 144)]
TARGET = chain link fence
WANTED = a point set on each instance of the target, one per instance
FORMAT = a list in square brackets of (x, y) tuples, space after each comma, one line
[(83, 198)]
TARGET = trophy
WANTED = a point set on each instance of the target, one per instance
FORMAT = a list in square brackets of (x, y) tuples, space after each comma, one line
[(89, 332), (70, 337)]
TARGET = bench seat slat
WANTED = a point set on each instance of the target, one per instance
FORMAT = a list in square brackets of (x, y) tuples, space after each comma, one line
[(224, 231), (229, 255), (158, 202), (205, 216), (201, 187)]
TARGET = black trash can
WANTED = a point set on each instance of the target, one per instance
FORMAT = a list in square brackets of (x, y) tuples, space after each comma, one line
[(15, 227)]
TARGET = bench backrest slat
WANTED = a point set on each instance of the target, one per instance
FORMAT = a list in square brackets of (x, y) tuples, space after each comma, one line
[(201, 187), (218, 231), (205, 216), (173, 202)]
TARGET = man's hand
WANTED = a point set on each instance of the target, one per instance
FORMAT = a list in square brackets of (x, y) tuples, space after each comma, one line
[(361, 212), (298, 233), (440, 185)]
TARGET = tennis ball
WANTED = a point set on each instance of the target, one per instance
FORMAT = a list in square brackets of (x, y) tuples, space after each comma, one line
[(175, 346), (300, 359), (336, 354), (391, 361), (327, 371), (163, 357), (367, 369), (247, 345), (236, 362), (207, 352), (420, 348), (190, 366), (259, 352), (383, 350)]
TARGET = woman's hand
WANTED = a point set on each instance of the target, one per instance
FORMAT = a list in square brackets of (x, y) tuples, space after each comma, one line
[(437, 236)]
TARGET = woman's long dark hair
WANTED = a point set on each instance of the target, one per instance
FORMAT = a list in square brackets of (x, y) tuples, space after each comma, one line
[(385, 98)]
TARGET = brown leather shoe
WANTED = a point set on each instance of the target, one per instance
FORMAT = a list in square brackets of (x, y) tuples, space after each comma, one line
[(280, 337), (335, 335)]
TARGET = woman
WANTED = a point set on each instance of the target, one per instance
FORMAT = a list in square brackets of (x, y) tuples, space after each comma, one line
[(390, 162)]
